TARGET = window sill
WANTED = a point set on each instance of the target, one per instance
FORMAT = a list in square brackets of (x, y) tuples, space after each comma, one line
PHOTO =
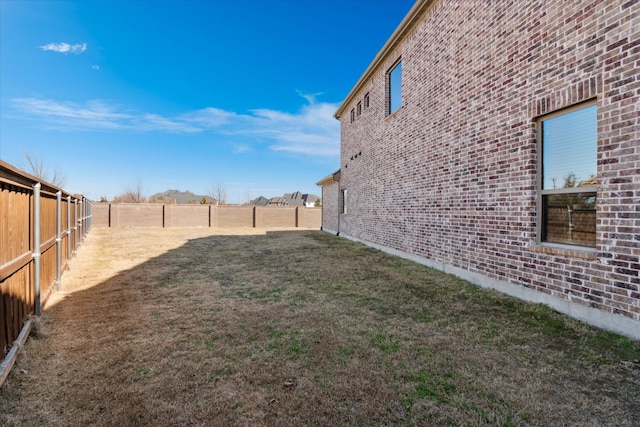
[(565, 250), (395, 112)]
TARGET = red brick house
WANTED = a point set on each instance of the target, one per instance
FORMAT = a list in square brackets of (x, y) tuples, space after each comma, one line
[(501, 142)]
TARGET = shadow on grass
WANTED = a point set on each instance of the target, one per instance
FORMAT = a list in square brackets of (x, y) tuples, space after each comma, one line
[(300, 328)]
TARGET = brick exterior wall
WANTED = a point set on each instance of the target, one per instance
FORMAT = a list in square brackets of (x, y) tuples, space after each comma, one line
[(451, 177), (330, 205)]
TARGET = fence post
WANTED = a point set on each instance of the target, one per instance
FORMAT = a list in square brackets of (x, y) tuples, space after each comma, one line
[(85, 217), (36, 247), (89, 209), (58, 238), (68, 229), (80, 222), (75, 227)]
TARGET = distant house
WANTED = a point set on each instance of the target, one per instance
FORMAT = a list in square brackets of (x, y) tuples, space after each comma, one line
[(500, 143), (275, 201), (293, 199), (260, 201), (299, 199), (311, 200)]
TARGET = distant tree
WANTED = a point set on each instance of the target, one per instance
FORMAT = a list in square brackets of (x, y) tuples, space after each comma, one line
[(103, 199), (318, 203), (38, 170), (219, 194), (570, 199), (132, 195), (203, 201), (570, 180)]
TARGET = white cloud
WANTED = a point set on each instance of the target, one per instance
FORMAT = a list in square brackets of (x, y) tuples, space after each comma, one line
[(60, 115), (156, 123), (210, 118), (65, 47), (311, 131), (241, 148), (95, 67)]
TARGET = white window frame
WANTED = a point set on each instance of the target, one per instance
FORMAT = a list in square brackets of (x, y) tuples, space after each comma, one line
[(394, 85), (343, 201), (541, 225)]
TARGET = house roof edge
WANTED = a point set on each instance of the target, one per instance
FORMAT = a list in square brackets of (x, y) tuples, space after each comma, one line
[(333, 177)]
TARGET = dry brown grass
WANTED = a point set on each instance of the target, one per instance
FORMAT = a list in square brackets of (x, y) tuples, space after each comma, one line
[(183, 327)]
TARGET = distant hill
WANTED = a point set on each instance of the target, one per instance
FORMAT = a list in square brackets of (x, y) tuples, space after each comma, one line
[(179, 197)]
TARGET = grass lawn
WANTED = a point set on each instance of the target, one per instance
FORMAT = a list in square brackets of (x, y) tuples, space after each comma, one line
[(185, 327)]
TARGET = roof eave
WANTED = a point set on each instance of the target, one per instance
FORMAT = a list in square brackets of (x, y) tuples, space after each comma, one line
[(330, 178)]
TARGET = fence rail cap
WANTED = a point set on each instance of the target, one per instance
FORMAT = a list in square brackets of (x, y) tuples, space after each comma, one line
[(20, 177)]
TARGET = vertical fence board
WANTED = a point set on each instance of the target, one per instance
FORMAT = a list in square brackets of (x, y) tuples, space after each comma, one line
[(17, 228)]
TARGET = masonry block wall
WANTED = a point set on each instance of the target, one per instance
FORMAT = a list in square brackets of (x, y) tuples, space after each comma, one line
[(160, 215), (186, 215), (309, 218), (451, 177), (276, 217), (233, 216)]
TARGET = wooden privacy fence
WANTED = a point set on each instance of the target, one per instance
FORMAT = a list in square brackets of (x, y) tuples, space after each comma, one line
[(41, 227), (572, 225), (160, 215)]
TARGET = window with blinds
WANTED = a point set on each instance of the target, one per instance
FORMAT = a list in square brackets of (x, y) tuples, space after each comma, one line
[(568, 181)]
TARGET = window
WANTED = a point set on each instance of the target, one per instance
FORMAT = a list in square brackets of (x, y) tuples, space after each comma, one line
[(394, 83), (366, 101), (568, 181), (359, 108), (343, 201), (353, 115)]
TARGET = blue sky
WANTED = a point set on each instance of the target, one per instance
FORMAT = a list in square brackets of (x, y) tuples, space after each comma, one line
[(184, 94)]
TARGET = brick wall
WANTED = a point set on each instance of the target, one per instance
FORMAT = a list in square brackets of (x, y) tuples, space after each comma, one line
[(234, 216), (451, 176), (309, 218), (278, 217), (187, 215), (330, 206), (159, 215), (128, 215)]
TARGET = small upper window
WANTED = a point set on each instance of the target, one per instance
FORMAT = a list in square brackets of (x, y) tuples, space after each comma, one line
[(568, 180), (366, 101), (359, 108), (353, 115), (394, 83), (343, 201)]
